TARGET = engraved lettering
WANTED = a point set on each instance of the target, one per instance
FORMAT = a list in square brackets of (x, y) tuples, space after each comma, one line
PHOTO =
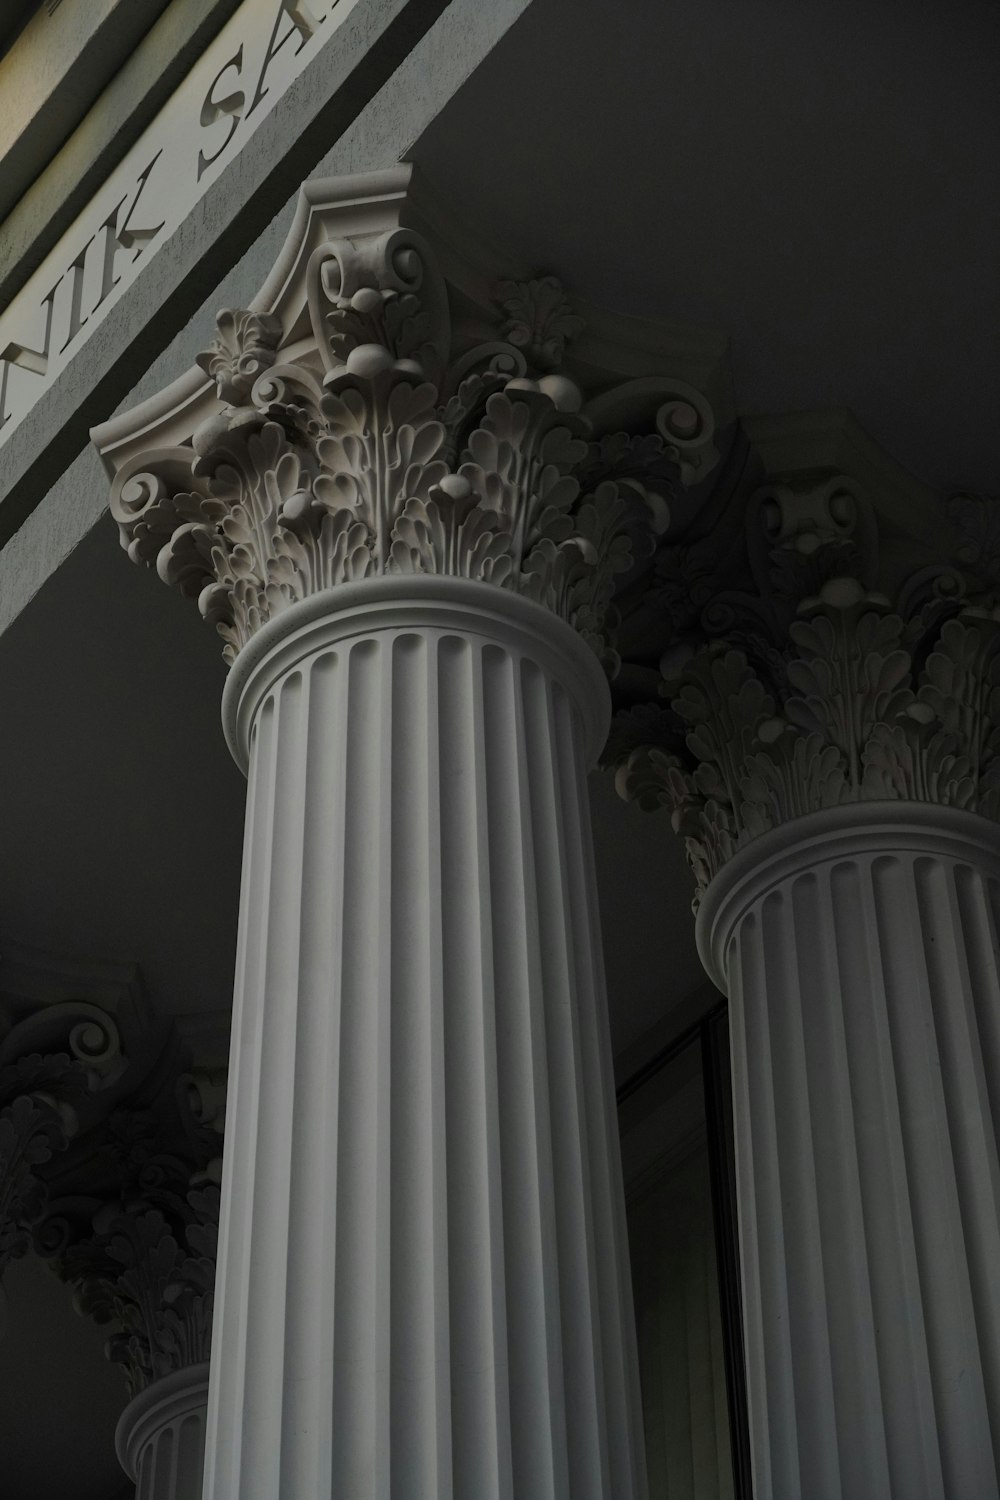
[(34, 360), (123, 237), (259, 66), (76, 322), (217, 109), (303, 24)]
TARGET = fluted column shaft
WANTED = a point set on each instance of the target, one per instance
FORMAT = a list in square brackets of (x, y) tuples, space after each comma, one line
[(422, 1283), (859, 948), (161, 1436)]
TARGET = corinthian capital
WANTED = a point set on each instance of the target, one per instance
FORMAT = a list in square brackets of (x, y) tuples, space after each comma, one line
[(138, 1244), (74, 1040), (818, 646), (365, 418)]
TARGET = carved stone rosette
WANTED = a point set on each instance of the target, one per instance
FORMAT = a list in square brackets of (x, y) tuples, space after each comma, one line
[(831, 663), (360, 435)]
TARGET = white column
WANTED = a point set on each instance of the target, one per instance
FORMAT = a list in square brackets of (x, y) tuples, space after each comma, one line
[(859, 948), (160, 1437), (422, 1279)]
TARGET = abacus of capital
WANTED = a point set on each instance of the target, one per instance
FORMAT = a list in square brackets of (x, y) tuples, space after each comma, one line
[(426, 522)]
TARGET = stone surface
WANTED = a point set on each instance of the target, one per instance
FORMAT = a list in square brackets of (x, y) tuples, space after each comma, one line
[(423, 1284), (77, 1040), (70, 499), (51, 74), (821, 642), (330, 92), (151, 68), (859, 950), (161, 1436), (366, 416)]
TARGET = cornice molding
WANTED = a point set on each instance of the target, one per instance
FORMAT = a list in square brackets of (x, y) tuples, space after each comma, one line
[(365, 417)]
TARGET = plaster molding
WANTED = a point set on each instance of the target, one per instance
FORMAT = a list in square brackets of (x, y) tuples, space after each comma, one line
[(351, 431), (38, 1098), (815, 652), (203, 1097), (160, 1437), (66, 1060), (446, 606), (857, 946), (819, 841), (611, 345), (832, 441), (110, 1154), (417, 857), (140, 1252)]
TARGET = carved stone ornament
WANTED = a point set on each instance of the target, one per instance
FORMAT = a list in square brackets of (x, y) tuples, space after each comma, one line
[(38, 1098), (813, 652), (357, 427), (65, 1062), (140, 1252)]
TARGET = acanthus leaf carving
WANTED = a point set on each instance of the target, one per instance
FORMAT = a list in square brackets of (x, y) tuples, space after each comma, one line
[(828, 697), (141, 1256), (63, 1064), (538, 319), (244, 346), (38, 1099), (377, 445)]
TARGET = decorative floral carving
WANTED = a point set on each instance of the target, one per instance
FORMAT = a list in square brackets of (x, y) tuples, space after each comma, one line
[(142, 1259), (38, 1099), (539, 319), (382, 450), (243, 348), (856, 703), (61, 1061)]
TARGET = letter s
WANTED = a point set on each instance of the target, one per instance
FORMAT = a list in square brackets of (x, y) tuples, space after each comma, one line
[(215, 109)]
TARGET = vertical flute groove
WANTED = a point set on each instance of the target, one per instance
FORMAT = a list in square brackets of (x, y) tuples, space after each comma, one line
[(860, 1431), (562, 1068), (791, 971), (434, 1303), (229, 1334), (480, 1424), (929, 1185), (312, 1191), (268, 1262), (615, 1361), (161, 1436), (976, 920), (865, 997), (357, 1399), (515, 958)]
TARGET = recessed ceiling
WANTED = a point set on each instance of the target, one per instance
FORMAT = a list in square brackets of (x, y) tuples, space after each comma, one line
[(819, 179)]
